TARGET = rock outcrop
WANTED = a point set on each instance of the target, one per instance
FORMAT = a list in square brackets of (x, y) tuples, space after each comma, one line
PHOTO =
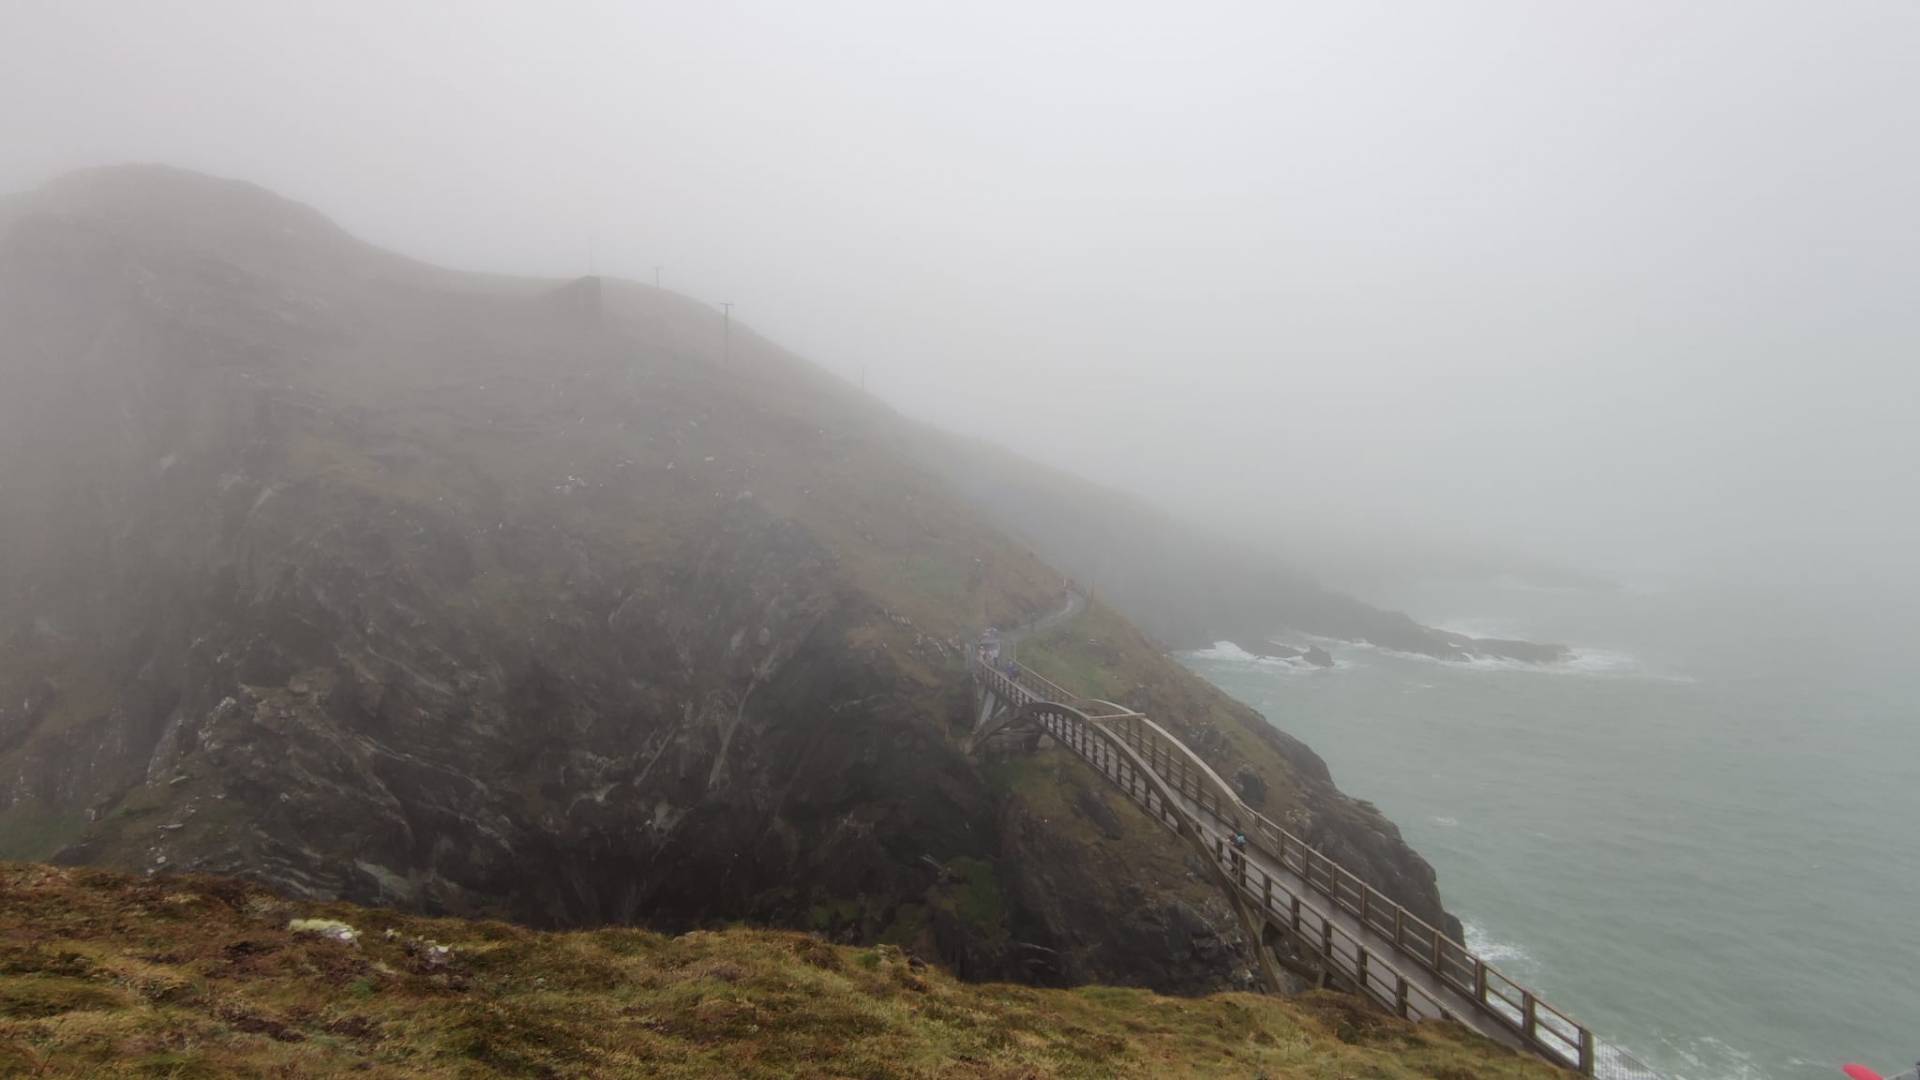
[(1186, 586)]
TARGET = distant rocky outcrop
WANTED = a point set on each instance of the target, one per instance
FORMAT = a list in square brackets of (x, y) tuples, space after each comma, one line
[(1185, 585)]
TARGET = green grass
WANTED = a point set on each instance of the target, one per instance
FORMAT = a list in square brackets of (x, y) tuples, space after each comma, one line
[(978, 900), (103, 975), (31, 831)]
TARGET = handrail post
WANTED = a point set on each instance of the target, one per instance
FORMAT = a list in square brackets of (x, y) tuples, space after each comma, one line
[(1360, 968), (1586, 1052), (1295, 906), (1400, 995), (1529, 1016), (1399, 928), (1479, 980), (1364, 890)]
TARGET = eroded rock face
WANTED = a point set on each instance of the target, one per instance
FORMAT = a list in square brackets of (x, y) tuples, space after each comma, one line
[(287, 593), (372, 581)]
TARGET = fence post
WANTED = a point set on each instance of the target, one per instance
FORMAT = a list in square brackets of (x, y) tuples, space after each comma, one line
[(1439, 952), (1479, 980), (1266, 891), (1529, 1016), (1364, 890), (1360, 966), (1295, 906), (1400, 995), (1399, 928)]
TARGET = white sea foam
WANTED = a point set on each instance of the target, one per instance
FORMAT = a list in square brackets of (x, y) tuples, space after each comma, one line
[(1580, 661), (1447, 822), (1227, 652), (1222, 650), (1713, 1058), (1497, 953)]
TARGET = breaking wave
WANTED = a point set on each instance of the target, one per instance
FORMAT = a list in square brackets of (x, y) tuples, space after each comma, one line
[(1226, 652)]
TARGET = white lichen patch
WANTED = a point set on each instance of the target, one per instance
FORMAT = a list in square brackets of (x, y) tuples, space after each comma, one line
[(332, 929)]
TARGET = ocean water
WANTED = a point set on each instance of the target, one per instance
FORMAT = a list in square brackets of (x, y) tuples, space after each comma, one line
[(1701, 836)]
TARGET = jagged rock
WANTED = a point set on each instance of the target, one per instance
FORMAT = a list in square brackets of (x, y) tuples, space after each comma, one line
[(1250, 786)]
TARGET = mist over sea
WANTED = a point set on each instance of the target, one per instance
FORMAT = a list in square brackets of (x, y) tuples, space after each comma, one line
[(1701, 836)]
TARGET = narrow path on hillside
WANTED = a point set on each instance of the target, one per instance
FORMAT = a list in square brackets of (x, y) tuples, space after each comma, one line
[(1075, 604)]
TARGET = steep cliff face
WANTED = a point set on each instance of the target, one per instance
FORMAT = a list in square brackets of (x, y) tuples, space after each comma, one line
[(476, 595)]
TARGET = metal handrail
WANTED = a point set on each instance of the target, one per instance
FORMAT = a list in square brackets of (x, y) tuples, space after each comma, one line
[(1493, 994)]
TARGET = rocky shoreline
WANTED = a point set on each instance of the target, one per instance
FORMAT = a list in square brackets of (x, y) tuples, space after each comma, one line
[(1442, 644)]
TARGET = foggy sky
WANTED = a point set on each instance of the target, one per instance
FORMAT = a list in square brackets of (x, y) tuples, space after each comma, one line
[(1628, 285)]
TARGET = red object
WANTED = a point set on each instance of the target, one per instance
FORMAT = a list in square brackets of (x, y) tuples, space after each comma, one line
[(1860, 1072)]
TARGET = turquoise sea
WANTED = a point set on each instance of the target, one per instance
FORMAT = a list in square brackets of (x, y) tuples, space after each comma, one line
[(1701, 836)]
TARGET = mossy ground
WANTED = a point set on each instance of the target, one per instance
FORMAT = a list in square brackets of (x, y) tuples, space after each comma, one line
[(107, 975)]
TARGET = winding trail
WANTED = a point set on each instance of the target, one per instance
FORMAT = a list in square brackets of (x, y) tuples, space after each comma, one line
[(1075, 604)]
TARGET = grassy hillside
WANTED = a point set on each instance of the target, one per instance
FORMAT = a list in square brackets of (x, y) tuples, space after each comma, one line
[(107, 975), (533, 599)]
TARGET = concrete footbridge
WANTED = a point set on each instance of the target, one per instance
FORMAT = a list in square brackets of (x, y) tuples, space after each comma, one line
[(1308, 914)]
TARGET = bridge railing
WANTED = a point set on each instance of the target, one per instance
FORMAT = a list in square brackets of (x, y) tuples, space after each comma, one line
[(1490, 991), (1020, 684), (1279, 899), (1413, 939)]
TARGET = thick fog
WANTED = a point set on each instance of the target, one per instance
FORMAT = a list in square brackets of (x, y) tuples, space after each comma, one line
[(1631, 287)]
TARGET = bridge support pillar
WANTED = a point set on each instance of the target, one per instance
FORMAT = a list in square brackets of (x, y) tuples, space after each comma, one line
[(1284, 946), (989, 704)]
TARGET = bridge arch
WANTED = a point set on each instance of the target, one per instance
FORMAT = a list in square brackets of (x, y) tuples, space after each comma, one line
[(1283, 889)]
